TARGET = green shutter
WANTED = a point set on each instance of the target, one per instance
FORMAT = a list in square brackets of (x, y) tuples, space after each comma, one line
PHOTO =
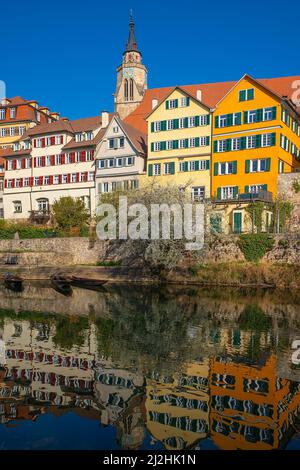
[(197, 165), (259, 115), (207, 119), (216, 122), (197, 120), (185, 122), (258, 141), (228, 145), (247, 166), (250, 94), (152, 146), (187, 100), (175, 144), (176, 103), (265, 187), (235, 191), (238, 119), (245, 117), (207, 164), (273, 138), (247, 189), (268, 164), (234, 167), (243, 143), (197, 142), (163, 145), (172, 168), (216, 167), (176, 123), (150, 169), (163, 125), (219, 193), (216, 146), (186, 166), (274, 112), (207, 140), (186, 143), (242, 95), (152, 126), (167, 104), (229, 120)]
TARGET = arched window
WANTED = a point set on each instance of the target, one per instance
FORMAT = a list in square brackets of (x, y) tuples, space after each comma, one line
[(43, 205), (126, 90), (131, 90)]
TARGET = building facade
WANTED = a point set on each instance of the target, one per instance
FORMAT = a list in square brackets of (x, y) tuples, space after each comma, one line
[(120, 158), (17, 115), (179, 143)]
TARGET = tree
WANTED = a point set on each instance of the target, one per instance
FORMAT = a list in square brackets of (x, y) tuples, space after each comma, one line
[(70, 212)]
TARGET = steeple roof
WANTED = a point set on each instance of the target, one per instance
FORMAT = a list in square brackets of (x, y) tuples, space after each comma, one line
[(131, 43)]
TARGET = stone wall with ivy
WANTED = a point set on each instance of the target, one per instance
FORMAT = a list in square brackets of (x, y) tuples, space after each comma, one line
[(289, 190)]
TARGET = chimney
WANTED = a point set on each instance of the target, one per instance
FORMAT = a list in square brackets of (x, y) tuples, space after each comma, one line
[(154, 103), (199, 95), (105, 118)]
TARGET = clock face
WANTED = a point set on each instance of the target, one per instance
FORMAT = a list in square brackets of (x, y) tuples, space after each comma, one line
[(128, 72)]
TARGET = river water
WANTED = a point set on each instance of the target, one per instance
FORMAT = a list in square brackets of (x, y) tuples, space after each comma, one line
[(133, 367)]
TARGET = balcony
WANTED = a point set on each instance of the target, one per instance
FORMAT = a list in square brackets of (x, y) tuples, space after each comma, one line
[(39, 216), (246, 198)]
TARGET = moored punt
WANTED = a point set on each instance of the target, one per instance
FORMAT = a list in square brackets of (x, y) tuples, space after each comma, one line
[(61, 284), (86, 282), (13, 282)]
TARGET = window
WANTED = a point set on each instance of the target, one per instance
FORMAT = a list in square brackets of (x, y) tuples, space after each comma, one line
[(18, 183), (26, 182), (246, 95), (36, 181), (157, 126), (91, 176), (39, 161), (223, 120), (203, 119), (184, 102), (55, 179), (192, 121), (251, 142), (22, 130), (169, 168), (105, 187), (170, 124), (120, 162), (88, 135), (17, 207), (256, 188), (38, 142), (101, 164), (156, 146), (130, 160), (268, 114), (12, 130), (198, 193), (12, 113), (110, 163), (171, 104), (46, 180), (78, 137), (181, 123), (181, 143), (115, 129), (134, 184), (221, 146), (156, 169), (2, 114), (48, 160), (228, 192), (169, 144), (43, 205), (226, 168), (58, 139), (73, 178), (236, 144), (266, 140), (192, 142), (64, 179), (121, 142), (57, 159), (251, 116), (258, 165)]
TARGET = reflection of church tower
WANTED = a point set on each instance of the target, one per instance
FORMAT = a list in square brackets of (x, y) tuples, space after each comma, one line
[(131, 77)]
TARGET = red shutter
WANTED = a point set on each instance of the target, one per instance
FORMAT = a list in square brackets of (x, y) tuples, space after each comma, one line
[(63, 159), (86, 176), (34, 142), (59, 179), (40, 180), (83, 156), (34, 162), (12, 183), (21, 182), (52, 159), (61, 139), (92, 153), (52, 140), (77, 177), (31, 181), (43, 142), (51, 179), (14, 164), (43, 161), (23, 161), (69, 178), (6, 165), (5, 183), (72, 157)]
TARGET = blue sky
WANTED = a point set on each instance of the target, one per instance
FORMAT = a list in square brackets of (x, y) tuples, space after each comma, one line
[(64, 53)]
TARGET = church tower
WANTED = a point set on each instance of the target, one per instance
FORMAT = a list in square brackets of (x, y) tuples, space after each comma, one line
[(131, 77)]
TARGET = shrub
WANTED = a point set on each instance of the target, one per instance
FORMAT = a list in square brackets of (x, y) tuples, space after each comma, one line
[(70, 213), (255, 245)]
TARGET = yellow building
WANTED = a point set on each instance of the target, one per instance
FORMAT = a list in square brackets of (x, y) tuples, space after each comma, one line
[(256, 135), (179, 143)]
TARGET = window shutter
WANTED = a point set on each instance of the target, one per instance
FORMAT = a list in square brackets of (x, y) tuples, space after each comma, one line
[(5, 183), (43, 142), (43, 161), (247, 166), (229, 120), (52, 140), (235, 191), (23, 163), (34, 162), (31, 181), (197, 165), (68, 178), (52, 159), (14, 165), (234, 167), (197, 121), (242, 95), (51, 179), (176, 103), (187, 101), (176, 123), (175, 144), (167, 104), (150, 169), (245, 117), (61, 139), (247, 189), (207, 164), (172, 168), (216, 167), (216, 146), (243, 143), (63, 158), (152, 146), (34, 142), (163, 125), (83, 156), (186, 143), (216, 122), (273, 138), (207, 140), (238, 119), (185, 122), (40, 180), (259, 115), (265, 187), (207, 119), (268, 164), (258, 141), (228, 145), (197, 142), (186, 166), (250, 94), (163, 145), (219, 193), (152, 126)]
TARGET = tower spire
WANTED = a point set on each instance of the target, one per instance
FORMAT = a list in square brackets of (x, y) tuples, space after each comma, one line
[(131, 43)]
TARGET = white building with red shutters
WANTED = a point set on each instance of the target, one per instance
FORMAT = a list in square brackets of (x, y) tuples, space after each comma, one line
[(51, 161)]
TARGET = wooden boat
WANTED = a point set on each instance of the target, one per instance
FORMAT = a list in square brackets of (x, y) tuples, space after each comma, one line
[(61, 284), (86, 283), (13, 282)]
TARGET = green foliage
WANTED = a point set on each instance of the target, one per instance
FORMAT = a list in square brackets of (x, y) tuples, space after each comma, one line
[(255, 245), (109, 263), (296, 186), (25, 230), (255, 211), (70, 331), (253, 318), (282, 211), (70, 213)]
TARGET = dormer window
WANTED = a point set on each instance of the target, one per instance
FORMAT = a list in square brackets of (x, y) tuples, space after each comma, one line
[(89, 135), (38, 116), (78, 137), (26, 145), (17, 147), (12, 113)]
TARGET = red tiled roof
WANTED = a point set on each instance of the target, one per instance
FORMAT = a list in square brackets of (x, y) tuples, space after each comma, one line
[(212, 93), (138, 138)]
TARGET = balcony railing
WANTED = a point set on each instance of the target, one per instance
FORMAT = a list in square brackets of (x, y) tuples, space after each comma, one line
[(40, 216), (263, 196)]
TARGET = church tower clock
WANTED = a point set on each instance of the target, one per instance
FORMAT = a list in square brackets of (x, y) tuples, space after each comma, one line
[(131, 77)]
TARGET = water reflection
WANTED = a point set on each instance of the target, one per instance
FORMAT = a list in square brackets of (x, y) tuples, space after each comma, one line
[(135, 367)]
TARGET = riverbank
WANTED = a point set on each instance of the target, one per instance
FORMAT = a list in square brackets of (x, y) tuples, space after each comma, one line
[(231, 274)]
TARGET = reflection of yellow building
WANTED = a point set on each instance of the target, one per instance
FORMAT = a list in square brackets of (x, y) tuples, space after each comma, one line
[(178, 407), (179, 143)]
